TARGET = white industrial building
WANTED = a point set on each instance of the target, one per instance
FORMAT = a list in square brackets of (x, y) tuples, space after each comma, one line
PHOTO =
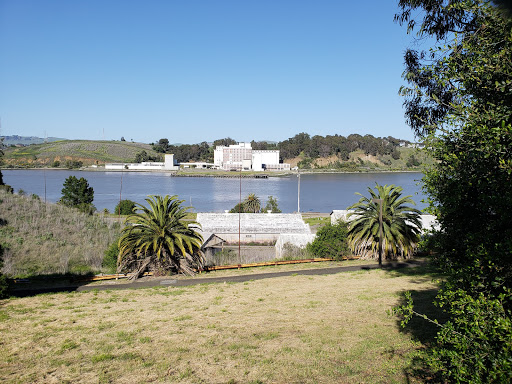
[(168, 165), (242, 156)]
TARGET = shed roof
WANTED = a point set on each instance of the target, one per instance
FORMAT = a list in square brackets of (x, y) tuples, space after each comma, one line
[(274, 223)]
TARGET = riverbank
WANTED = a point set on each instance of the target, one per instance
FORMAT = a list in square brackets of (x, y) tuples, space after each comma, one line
[(224, 174)]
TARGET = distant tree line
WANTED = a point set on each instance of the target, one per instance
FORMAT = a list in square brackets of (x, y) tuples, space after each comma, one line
[(185, 152), (340, 146), (301, 144)]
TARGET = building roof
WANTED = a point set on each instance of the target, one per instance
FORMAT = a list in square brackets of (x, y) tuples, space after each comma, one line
[(274, 223)]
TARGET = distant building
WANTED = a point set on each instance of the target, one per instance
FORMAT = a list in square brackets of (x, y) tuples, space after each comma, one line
[(168, 165), (242, 156)]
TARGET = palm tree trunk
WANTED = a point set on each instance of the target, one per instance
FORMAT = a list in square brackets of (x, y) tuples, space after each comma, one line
[(141, 269)]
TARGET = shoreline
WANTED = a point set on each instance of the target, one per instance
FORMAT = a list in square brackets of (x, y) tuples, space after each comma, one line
[(221, 174)]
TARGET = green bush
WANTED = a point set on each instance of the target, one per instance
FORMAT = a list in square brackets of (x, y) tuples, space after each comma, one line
[(6, 188), (330, 241), (271, 205), (110, 258), (4, 287), (124, 207), (475, 345)]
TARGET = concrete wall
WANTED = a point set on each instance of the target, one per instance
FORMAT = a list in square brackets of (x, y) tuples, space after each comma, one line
[(228, 255), (297, 240)]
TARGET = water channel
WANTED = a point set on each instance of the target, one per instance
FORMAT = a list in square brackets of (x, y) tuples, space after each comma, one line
[(318, 192)]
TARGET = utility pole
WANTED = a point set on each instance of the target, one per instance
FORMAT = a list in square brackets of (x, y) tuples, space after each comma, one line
[(380, 202), (239, 215), (298, 191)]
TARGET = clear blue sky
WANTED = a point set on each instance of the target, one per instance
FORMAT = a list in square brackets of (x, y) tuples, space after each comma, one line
[(200, 70)]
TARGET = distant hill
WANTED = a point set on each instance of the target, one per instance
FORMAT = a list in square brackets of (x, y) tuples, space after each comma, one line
[(351, 154), (86, 152), (27, 140)]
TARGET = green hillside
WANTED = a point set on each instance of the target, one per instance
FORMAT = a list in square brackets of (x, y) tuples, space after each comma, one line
[(78, 153), (84, 151)]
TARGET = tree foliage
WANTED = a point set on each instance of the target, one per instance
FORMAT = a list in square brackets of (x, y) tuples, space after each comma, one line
[(77, 193), (251, 204), (124, 207), (271, 205), (459, 99), (226, 142), (336, 145), (401, 225), (158, 237), (330, 241)]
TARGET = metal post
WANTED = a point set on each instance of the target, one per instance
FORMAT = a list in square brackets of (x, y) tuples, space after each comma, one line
[(298, 191), (239, 214), (120, 197)]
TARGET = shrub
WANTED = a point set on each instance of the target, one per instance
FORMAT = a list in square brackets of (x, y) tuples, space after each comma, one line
[(293, 252), (474, 345), (271, 205), (110, 260), (6, 188), (4, 286), (124, 207), (330, 241)]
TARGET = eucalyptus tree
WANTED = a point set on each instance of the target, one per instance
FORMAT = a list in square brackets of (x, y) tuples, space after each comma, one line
[(458, 99), (400, 226), (158, 237)]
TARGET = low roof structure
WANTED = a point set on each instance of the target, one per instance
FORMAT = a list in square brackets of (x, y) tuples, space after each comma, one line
[(270, 223), (428, 222)]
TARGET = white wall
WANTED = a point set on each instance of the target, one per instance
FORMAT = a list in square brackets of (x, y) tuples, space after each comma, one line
[(260, 158)]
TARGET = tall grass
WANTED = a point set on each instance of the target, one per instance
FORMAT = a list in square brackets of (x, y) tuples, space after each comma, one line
[(43, 238)]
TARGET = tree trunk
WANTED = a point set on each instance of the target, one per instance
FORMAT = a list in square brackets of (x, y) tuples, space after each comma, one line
[(141, 269)]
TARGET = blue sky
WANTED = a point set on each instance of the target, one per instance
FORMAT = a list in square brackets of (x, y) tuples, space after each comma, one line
[(200, 70)]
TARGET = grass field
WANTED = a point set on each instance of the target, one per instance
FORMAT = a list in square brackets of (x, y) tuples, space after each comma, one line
[(296, 329)]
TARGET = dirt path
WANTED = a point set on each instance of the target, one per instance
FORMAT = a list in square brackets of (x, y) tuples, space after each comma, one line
[(177, 282)]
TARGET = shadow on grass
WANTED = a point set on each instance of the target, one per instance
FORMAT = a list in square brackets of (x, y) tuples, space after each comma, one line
[(36, 285), (419, 328)]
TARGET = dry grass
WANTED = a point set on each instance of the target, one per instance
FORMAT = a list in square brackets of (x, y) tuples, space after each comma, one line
[(297, 329), (41, 238)]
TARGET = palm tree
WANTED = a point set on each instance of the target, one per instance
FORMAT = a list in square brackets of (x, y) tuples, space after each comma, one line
[(157, 237), (252, 204), (401, 224)]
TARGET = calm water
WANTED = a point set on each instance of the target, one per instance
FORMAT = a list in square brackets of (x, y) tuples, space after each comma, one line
[(318, 192)]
